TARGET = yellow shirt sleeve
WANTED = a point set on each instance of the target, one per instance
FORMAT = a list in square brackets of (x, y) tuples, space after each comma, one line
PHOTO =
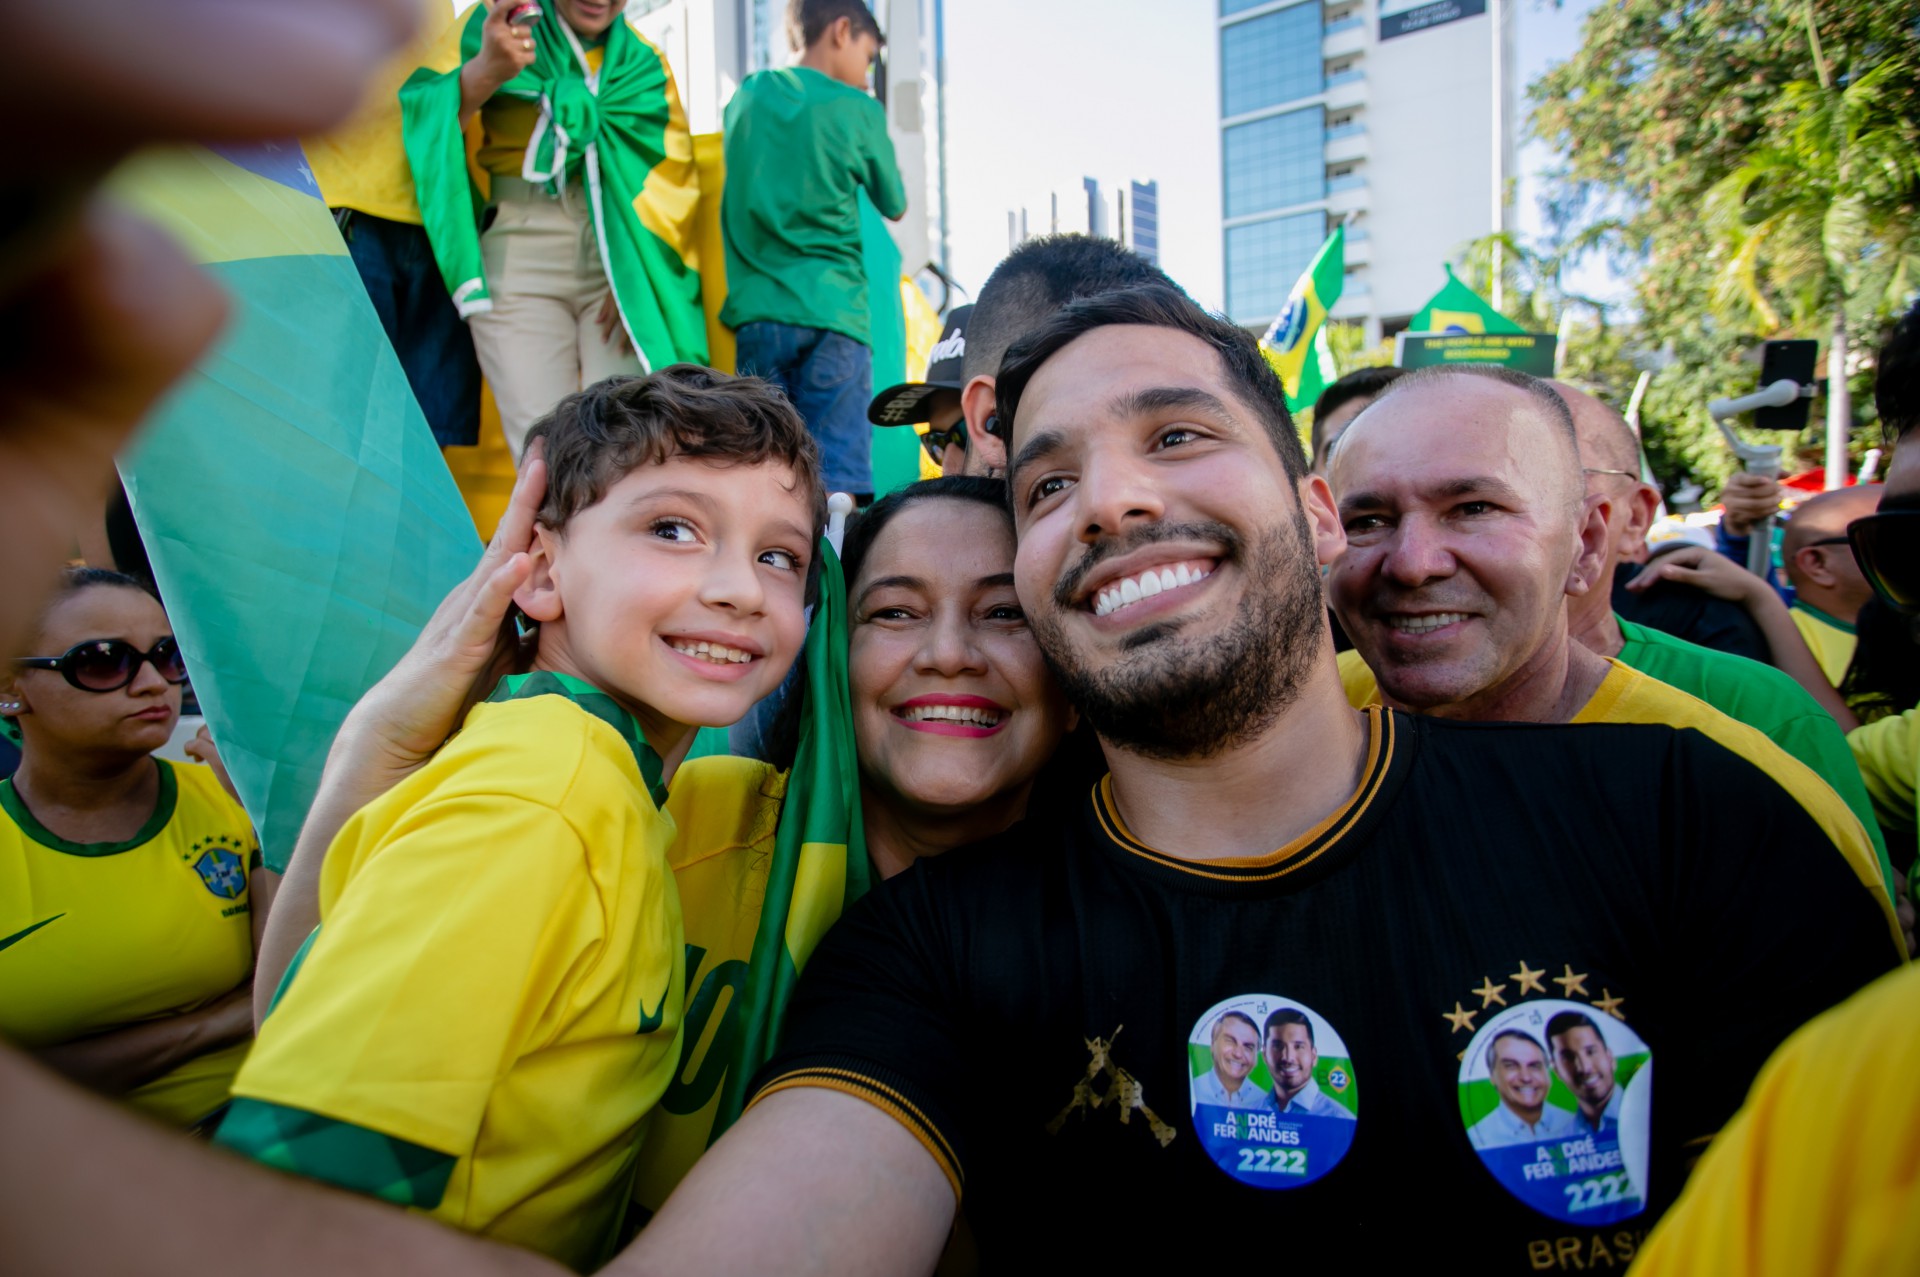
[(1888, 752), (1357, 680), (437, 967), (1818, 1172)]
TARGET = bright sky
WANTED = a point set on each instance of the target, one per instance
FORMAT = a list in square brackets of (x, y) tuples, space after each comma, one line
[(1043, 94)]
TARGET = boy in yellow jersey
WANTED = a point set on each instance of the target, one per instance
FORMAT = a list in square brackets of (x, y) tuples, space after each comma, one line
[(492, 1002)]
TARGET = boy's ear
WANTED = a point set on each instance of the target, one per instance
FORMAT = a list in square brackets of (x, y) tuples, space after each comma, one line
[(976, 406), (840, 34), (539, 595)]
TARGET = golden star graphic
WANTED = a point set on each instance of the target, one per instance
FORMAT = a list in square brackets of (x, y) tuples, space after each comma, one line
[(1572, 982), (1490, 992), (1608, 1003), (1460, 1018), (1529, 979)]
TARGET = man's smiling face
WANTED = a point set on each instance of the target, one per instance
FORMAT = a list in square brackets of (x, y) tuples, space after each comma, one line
[(1164, 558)]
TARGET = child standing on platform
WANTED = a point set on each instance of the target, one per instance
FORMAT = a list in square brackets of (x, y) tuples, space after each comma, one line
[(801, 143)]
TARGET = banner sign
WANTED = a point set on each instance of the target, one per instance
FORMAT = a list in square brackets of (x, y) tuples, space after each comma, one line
[(1524, 352), (1399, 19)]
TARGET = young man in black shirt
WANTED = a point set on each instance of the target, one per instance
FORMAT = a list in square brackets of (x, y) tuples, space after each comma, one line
[(1023, 1029)]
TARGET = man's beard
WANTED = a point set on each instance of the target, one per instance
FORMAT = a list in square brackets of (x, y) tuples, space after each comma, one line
[(1171, 698)]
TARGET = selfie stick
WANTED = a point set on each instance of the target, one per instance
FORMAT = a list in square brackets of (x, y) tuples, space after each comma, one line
[(1756, 458), (839, 506)]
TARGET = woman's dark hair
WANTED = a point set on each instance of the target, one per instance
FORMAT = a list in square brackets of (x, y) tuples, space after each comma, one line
[(866, 527), (1884, 676)]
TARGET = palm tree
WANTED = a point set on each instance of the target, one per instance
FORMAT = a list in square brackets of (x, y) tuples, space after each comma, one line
[(1824, 213)]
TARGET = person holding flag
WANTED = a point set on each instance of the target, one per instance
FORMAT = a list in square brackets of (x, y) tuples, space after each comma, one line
[(554, 173), (1296, 344)]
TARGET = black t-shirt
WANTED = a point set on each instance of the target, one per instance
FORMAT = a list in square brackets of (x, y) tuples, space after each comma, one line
[(1061, 1014), (1690, 613)]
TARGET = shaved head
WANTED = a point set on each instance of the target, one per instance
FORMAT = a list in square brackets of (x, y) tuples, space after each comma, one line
[(1534, 410), (1606, 441), (1827, 515)]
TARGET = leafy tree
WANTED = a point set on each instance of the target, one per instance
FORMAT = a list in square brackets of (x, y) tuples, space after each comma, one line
[(1746, 162)]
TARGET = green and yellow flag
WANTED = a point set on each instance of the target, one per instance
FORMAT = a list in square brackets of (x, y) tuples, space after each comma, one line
[(1458, 309), (765, 863), (1289, 344), (608, 119)]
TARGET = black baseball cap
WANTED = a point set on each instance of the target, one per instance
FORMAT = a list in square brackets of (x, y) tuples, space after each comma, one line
[(905, 404)]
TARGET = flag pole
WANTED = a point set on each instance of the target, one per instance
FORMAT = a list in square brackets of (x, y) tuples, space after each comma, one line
[(1497, 14)]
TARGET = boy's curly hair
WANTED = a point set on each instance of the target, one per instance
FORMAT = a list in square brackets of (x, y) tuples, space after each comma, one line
[(597, 437)]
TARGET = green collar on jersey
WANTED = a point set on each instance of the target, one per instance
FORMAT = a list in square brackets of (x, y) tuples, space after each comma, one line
[(518, 687), (163, 807), (1825, 618)]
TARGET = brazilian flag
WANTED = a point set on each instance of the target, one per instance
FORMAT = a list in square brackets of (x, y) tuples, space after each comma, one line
[(298, 517), (1458, 309), (607, 118), (1295, 345)]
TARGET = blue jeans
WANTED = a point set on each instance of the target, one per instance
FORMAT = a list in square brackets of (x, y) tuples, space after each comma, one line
[(396, 264), (829, 378)]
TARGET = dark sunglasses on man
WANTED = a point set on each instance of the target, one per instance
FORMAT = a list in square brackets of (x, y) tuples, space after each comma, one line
[(936, 442), (1887, 548), (107, 665)]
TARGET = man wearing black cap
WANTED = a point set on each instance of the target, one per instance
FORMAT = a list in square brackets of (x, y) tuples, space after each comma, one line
[(936, 400), (1024, 291)]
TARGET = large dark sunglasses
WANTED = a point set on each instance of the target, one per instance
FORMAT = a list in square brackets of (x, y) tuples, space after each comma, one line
[(107, 665), (1887, 548), (936, 442)]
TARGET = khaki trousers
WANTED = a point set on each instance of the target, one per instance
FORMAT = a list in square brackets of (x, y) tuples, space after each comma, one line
[(541, 341)]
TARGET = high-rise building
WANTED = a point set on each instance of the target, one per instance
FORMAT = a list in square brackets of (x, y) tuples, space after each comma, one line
[(1131, 215), (1144, 228), (714, 44), (1392, 116)]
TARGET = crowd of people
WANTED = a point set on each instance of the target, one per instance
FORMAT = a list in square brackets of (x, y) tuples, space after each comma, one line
[(1202, 774)]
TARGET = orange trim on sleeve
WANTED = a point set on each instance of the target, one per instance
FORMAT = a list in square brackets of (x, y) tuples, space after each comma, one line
[(888, 1101)]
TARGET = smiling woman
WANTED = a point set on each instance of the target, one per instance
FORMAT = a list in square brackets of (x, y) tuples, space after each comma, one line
[(954, 712), (125, 914)]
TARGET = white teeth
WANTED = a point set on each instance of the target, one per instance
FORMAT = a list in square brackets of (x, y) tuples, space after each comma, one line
[(718, 653), (951, 714), (1424, 624), (1149, 583)]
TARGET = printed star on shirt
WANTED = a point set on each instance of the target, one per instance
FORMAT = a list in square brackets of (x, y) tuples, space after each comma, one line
[(1459, 1017), (1490, 992), (1572, 982), (1608, 1003), (1529, 979)]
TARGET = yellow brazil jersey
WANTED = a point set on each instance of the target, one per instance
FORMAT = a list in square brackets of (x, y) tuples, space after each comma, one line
[(1627, 696), (1829, 639), (1819, 1171), (95, 936), (1888, 752), (362, 164), (491, 1004), (726, 811)]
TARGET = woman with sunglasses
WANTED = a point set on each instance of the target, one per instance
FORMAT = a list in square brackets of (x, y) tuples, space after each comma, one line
[(126, 937)]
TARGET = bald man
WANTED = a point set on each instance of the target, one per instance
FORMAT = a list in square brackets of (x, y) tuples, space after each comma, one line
[(1747, 691), (1472, 536), (1829, 590)]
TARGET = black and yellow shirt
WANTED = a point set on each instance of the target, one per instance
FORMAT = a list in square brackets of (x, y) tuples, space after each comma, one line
[(491, 1004), (1065, 1017), (98, 936)]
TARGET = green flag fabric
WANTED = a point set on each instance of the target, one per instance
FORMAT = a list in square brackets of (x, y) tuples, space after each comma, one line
[(820, 853), (620, 131), (299, 519), (1289, 343), (1458, 309)]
